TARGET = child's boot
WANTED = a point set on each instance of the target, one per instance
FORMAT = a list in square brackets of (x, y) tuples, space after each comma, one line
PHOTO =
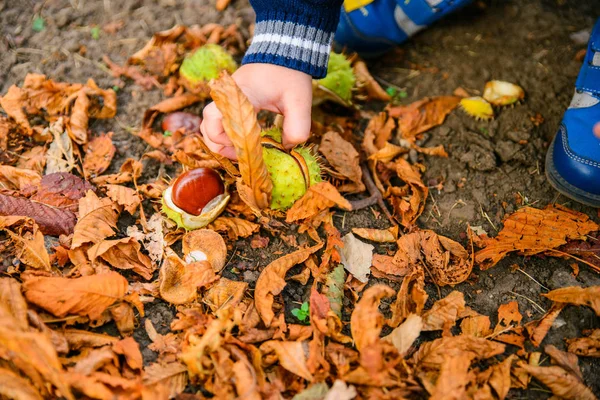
[(573, 159), (372, 27)]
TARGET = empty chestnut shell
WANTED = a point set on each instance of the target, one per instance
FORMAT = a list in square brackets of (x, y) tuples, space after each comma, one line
[(194, 189), (181, 120)]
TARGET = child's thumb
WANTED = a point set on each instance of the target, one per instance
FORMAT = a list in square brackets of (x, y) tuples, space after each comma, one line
[(296, 124)]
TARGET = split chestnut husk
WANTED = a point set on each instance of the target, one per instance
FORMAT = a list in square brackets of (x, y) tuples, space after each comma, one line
[(195, 198)]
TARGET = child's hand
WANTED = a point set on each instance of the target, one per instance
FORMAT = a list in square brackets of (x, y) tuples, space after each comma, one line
[(597, 130), (268, 87)]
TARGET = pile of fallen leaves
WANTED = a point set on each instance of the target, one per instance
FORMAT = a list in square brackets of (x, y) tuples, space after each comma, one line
[(74, 272)]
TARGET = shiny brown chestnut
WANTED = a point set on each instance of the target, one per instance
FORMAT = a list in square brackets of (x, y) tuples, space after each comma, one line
[(181, 120), (194, 189)]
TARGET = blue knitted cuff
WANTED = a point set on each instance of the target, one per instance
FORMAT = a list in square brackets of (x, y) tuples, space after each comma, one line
[(298, 41)]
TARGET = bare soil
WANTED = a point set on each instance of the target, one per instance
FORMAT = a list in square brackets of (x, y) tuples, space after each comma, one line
[(494, 167)]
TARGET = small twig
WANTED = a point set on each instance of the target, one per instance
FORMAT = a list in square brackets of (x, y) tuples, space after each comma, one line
[(531, 301), (532, 278), (374, 198)]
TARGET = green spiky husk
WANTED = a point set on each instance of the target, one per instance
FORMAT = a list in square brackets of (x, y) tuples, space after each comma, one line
[(206, 63), (286, 175), (340, 77)]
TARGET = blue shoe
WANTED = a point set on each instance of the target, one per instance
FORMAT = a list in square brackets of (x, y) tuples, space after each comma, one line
[(573, 159), (372, 27)]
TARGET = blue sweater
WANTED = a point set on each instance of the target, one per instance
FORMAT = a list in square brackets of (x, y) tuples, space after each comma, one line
[(294, 33)]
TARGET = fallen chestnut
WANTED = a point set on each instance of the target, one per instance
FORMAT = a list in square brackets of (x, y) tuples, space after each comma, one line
[(195, 198), (181, 120)]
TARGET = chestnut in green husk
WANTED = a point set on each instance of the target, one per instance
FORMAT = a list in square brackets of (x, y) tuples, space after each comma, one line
[(195, 198), (204, 64)]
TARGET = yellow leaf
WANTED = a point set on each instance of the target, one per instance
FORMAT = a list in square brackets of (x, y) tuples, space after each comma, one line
[(241, 125)]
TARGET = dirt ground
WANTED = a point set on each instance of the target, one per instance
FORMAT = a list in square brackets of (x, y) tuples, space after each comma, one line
[(493, 168)]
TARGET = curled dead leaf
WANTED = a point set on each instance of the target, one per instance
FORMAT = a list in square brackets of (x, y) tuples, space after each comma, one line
[(99, 153), (179, 282), (317, 198)]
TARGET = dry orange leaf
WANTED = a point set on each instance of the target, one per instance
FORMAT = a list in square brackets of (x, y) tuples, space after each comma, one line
[(532, 231), (431, 355), (366, 320), (34, 354), (235, 227), (478, 325), (388, 152), (79, 339), (272, 281), (99, 153), (410, 299), (88, 295), (79, 120), (14, 302), (14, 386), (319, 197), (123, 254), (589, 296), (124, 196), (97, 220), (588, 346), (409, 208), (562, 383), (124, 318), (30, 249), (378, 133), (422, 115), (537, 330), (454, 377), (172, 375), (129, 171), (241, 125), (389, 235), (33, 159), (444, 313), (179, 282), (12, 178), (129, 348), (225, 294), (245, 377), (368, 83), (344, 158), (291, 355)]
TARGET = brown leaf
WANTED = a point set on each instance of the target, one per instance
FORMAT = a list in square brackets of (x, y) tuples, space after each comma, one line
[(97, 220), (405, 334), (235, 227), (123, 254), (579, 296), (588, 346), (272, 281), (344, 158), (422, 115), (245, 378), (410, 299), (408, 210), (291, 355), (454, 377), (225, 294), (51, 220), (532, 231), (389, 235), (538, 329), (172, 375), (79, 339), (88, 295), (478, 325), (146, 82), (378, 132), (124, 318), (129, 171), (12, 178), (179, 282), (562, 383), (367, 82), (444, 313), (13, 386), (366, 320), (124, 196), (241, 125), (99, 153), (129, 348), (33, 159), (33, 354), (319, 197), (78, 123), (431, 355), (14, 302), (62, 190), (30, 249), (388, 152), (508, 316), (569, 362)]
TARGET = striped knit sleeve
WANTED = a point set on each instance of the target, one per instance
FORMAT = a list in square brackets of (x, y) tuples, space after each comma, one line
[(294, 33)]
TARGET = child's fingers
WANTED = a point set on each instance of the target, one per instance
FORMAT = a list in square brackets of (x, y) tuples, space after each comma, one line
[(296, 122), (597, 130), (227, 151), (212, 125)]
